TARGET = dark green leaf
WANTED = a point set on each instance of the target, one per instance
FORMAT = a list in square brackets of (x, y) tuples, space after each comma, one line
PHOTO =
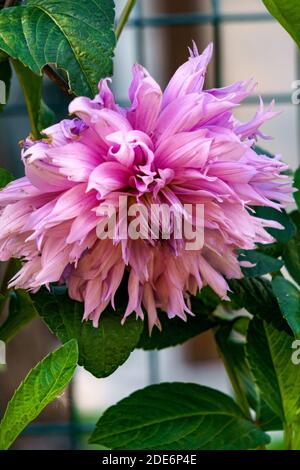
[(40, 115), (76, 37), (177, 416), (175, 331), (270, 357), (264, 264), (291, 252), (41, 386), (208, 297), (287, 12), (274, 250), (5, 81), (260, 151), (266, 418), (5, 177), (256, 296), (21, 312), (101, 350), (268, 213), (288, 297)]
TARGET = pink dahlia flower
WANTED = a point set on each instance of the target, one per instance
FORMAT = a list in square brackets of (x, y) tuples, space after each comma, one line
[(183, 146)]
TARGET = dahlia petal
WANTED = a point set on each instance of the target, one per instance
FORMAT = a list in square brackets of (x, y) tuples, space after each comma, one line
[(189, 112), (17, 190), (106, 97), (189, 77), (251, 129), (214, 279), (234, 172), (106, 122), (109, 176), (150, 306), (234, 93), (82, 226), (74, 160), (64, 132), (145, 96), (185, 150), (68, 205)]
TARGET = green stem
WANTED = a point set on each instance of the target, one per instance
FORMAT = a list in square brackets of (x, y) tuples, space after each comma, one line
[(288, 437), (124, 17), (238, 391), (33, 124)]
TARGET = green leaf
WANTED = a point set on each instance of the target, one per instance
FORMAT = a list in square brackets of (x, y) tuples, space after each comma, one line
[(40, 115), (261, 151), (270, 357), (297, 186), (101, 350), (274, 250), (288, 297), (208, 298), (5, 77), (5, 177), (255, 294), (42, 385), (77, 38), (233, 353), (291, 252), (264, 264), (21, 312), (265, 417), (287, 12), (177, 416), (284, 219), (176, 331)]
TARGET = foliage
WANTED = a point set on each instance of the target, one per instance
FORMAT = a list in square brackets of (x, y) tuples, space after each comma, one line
[(78, 40), (42, 385), (287, 12)]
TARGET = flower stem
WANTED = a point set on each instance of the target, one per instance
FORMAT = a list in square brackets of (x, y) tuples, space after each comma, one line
[(288, 437), (124, 17), (238, 391), (239, 394)]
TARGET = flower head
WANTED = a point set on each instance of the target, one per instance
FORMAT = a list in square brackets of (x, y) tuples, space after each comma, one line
[(179, 147)]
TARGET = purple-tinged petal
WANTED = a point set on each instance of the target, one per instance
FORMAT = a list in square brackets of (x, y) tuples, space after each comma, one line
[(189, 77), (145, 96), (109, 176)]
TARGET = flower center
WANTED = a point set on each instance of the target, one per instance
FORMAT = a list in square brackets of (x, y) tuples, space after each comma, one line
[(135, 151)]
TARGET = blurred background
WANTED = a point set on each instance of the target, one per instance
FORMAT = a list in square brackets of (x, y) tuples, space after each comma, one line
[(248, 43)]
